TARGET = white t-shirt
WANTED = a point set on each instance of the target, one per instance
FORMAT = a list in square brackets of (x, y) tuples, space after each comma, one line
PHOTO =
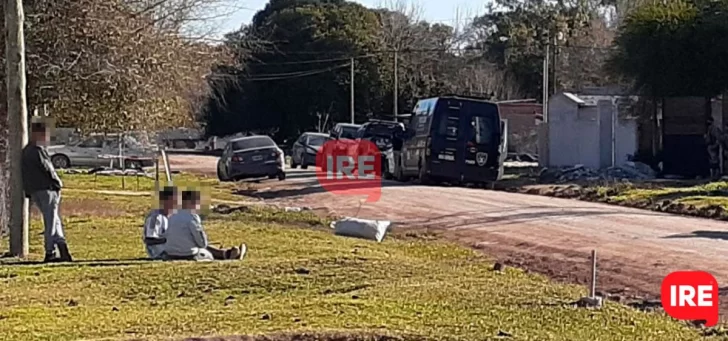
[(155, 225)]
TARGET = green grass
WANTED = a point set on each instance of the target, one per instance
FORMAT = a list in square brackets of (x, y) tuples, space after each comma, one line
[(698, 195), (298, 277)]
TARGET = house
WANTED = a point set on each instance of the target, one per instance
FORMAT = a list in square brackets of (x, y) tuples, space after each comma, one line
[(522, 129), (597, 131)]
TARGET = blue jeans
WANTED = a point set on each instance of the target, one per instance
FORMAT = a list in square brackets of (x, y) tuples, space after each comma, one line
[(48, 203)]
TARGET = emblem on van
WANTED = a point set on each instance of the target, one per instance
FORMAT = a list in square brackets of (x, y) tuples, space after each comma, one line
[(481, 158)]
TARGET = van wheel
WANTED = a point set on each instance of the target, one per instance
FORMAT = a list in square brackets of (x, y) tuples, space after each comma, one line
[(423, 177), (399, 171)]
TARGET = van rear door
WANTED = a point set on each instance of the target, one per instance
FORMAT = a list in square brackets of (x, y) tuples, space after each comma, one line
[(483, 141), (447, 160)]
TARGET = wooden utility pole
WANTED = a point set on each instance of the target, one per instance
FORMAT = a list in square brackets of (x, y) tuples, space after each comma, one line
[(352, 91), (396, 88), (18, 124), (546, 82)]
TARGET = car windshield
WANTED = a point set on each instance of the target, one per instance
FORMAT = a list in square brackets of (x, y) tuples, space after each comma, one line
[(348, 132), (379, 130), (253, 142), (316, 140)]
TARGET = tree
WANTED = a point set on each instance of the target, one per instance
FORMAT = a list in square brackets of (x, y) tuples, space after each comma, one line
[(101, 66), (675, 48), (514, 33), (279, 87)]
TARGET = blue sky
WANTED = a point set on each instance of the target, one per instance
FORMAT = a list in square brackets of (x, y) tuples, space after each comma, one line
[(442, 11)]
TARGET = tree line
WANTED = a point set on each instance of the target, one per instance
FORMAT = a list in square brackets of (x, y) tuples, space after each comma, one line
[(291, 61)]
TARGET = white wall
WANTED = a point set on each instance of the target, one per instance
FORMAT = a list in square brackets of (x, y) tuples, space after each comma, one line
[(583, 134), (626, 140), (573, 133)]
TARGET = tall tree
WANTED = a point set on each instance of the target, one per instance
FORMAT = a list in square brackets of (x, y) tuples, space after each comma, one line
[(102, 66), (514, 33), (281, 88), (675, 48)]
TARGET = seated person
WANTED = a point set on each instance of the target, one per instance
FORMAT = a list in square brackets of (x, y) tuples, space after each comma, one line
[(186, 238), (156, 222)]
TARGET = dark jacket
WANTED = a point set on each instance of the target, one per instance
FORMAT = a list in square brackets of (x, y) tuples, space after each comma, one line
[(38, 171)]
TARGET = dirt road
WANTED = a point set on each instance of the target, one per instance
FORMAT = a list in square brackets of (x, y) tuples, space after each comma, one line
[(636, 248)]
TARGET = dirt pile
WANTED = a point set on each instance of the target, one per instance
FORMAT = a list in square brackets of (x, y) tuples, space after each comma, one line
[(628, 171)]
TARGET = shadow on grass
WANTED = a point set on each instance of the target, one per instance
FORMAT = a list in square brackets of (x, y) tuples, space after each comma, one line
[(723, 235), (77, 263), (343, 336)]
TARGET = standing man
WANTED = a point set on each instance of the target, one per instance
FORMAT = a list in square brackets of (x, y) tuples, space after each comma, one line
[(43, 186), (713, 140)]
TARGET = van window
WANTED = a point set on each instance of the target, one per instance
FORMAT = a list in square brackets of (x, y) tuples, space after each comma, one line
[(484, 131), (448, 126)]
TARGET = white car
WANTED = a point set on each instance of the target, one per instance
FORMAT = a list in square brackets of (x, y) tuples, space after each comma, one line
[(101, 151)]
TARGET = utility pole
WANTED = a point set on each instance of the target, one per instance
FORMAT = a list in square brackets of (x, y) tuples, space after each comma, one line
[(395, 93), (546, 82), (352, 91), (18, 124), (554, 64)]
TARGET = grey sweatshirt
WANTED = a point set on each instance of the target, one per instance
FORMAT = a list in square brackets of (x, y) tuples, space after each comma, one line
[(38, 171), (185, 234)]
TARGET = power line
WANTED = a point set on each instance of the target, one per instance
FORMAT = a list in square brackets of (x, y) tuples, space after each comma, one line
[(313, 61), (272, 77), (421, 50)]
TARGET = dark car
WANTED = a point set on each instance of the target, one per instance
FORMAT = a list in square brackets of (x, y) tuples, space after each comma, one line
[(387, 136), (251, 157), (305, 149)]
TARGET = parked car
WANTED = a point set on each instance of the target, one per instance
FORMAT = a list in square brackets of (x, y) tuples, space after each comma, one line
[(344, 131), (101, 151), (251, 157), (345, 135), (305, 149), (387, 136)]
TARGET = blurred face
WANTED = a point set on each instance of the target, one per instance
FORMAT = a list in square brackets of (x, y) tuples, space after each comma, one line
[(191, 204), (169, 204), (41, 137)]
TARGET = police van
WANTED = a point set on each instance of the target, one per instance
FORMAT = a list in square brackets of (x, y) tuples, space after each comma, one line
[(453, 139)]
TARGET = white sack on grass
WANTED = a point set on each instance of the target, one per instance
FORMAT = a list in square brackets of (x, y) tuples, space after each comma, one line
[(361, 228)]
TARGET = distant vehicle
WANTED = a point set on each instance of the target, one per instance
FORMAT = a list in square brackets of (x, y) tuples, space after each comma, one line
[(304, 150), (344, 131), (454, 139), (101, 151), (251, 157), (388, 137)]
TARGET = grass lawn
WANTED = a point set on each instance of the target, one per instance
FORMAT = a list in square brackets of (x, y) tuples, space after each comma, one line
[(297, 278)]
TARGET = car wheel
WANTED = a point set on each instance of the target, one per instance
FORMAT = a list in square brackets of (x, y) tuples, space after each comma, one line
[(220, 176), (294, 165), (60, 161)]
